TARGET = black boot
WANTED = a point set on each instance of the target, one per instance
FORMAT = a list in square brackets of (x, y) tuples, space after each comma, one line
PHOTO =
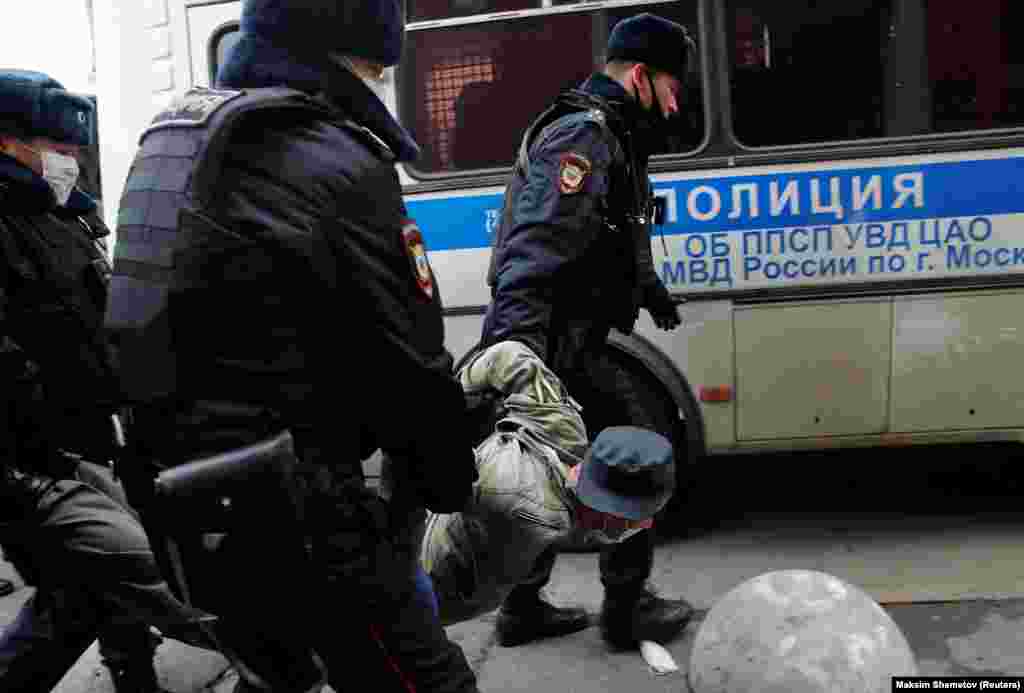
[(134, 677), (632, 614), (523, 619), (131, 667)]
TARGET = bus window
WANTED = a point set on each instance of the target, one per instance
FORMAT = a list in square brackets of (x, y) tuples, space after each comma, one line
[(89, 158), (421, 10), (221, 43), (804, 71), (468, 91), (976, 67)]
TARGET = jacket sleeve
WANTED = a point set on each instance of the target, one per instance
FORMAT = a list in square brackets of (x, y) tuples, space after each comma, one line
[(554, 220), (412, 404), (646, 274)]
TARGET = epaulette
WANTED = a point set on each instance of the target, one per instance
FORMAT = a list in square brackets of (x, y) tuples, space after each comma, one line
[(194, 108), (211, 115), (369, 137)]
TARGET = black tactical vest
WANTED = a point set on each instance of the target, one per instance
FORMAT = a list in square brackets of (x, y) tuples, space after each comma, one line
[(175, 175)]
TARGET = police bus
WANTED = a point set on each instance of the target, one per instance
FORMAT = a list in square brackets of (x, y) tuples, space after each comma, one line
[(843, 198)]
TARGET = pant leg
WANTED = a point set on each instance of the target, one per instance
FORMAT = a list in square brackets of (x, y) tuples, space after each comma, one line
[(90, 538), (628, 564), (609, 400), (101, 479), (390, 643), (526, 592), (51, 631), (92, 566), (385, 633), (606, 392), (425, 591)]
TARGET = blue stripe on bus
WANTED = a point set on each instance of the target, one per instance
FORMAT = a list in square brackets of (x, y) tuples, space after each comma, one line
[(956, 189)]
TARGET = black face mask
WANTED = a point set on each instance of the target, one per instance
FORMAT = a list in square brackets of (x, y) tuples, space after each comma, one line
[(653, 129)]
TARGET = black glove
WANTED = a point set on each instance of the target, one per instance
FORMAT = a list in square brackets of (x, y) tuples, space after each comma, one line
[(661, 306)]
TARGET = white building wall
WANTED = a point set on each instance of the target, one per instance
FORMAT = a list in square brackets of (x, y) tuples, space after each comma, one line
[(137, 74)]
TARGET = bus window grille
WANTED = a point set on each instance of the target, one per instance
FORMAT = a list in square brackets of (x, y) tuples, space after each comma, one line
[(444, 84)]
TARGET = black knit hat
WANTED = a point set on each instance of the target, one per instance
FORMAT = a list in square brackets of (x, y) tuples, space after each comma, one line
[(33, 104), (371, 29), (628, 472), (652, 40)]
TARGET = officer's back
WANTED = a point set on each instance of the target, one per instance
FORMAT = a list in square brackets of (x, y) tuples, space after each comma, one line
[(300, 273), (267, 279)]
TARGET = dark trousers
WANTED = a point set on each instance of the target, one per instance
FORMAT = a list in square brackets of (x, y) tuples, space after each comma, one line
[(407, 651), (52, 631), (398, 646), (95, 576), (604, 390)]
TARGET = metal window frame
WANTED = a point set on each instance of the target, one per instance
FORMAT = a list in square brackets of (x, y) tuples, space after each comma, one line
[(739, 154), (720, 147)]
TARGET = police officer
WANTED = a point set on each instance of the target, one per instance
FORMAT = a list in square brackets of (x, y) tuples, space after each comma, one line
[(64, 522), (571, 260), (263, 243)]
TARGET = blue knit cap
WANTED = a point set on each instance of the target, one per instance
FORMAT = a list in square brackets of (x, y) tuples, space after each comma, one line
[(652, 40), (371, 29), (33, 104)]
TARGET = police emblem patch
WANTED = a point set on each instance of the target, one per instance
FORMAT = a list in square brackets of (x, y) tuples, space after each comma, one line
[(572, 172), (417, 252)]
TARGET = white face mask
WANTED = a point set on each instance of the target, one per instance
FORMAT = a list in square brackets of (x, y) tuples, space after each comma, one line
[(377, 83), (378, 86), (60, 172)]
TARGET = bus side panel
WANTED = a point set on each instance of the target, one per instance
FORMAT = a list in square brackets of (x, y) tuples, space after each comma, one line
[(819, 369), (702, 348), (957, 362)]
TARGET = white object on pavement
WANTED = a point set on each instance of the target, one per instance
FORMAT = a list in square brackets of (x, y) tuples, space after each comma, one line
[(657, 658)]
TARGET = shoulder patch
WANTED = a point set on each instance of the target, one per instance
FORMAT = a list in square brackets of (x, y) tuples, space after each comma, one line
[(194, 107), (573, 169), (417, 253)]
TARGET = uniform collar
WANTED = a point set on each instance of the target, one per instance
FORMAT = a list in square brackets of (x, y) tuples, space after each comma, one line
[(625, 105), (23, 191), (256, 62), (600, 84)]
